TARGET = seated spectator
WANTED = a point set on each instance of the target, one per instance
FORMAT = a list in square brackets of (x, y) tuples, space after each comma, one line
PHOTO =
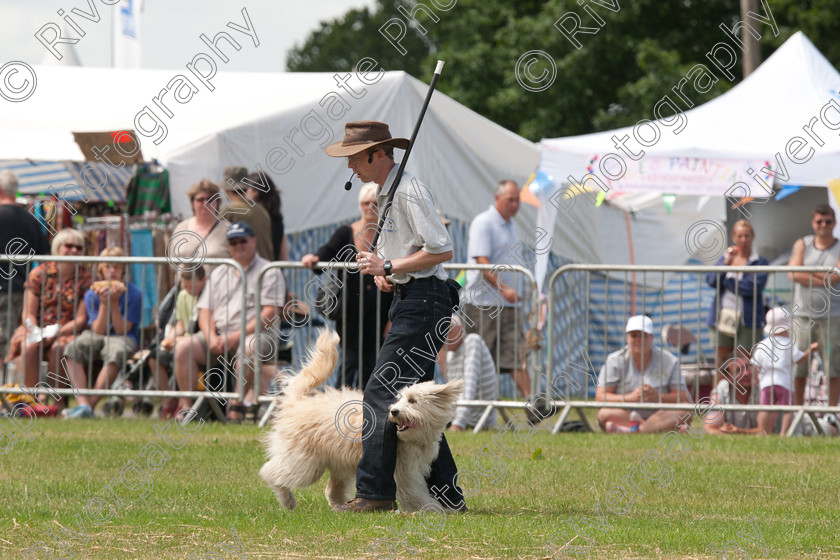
[(468, 358), (220, 320), (54, 296), (776, 356), (181, 326), (114, 308), (641, 372), (736, 388)]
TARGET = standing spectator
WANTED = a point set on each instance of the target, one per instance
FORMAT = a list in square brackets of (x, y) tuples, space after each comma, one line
[(641, 372), (493, 240), (220, 317), (739, 296), (204, 225), (370, 321), (114, 309), (776, 355), (816, 307), (54, 295), (270, 200), (21, 234), (240, 208), (468, 358)]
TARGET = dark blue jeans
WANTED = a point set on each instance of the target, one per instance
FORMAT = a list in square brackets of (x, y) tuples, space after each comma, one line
[(407, 357), (348, 368)]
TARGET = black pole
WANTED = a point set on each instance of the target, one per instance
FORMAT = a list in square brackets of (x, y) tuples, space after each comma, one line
[(384, 211)]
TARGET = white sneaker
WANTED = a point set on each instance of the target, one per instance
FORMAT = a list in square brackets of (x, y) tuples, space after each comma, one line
[(81, 411), (613, 428)]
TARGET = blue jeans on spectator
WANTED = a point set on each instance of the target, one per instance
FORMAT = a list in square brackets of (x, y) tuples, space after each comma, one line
[(417, 309)]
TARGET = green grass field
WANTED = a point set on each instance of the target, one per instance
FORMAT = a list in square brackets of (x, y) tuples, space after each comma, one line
[(676, 503)]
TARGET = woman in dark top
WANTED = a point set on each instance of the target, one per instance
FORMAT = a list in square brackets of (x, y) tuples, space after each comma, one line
[(270, 200), (344, 244), (741, 292)]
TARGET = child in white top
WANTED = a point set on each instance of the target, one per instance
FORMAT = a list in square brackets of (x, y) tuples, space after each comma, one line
[(776, 356)]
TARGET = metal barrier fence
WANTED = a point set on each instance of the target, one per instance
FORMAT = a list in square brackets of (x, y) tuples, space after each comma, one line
[(41, 337), (587, 323), (343, 273), (289, 331)]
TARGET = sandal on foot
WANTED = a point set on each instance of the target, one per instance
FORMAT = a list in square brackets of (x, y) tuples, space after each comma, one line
[(236, 413)]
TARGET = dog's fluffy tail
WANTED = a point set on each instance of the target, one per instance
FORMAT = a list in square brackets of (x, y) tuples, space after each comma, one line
[(319, 366)]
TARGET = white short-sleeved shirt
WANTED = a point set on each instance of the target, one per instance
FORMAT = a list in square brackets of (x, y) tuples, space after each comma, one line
[(412, 224), (776, 356), (662, 373), (492, 237), (223, 294)]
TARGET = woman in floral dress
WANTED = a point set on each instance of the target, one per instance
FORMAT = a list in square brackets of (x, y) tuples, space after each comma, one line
[(54, 295)]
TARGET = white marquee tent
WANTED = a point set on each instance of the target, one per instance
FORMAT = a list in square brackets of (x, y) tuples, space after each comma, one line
[(279, 121), (747, 127)]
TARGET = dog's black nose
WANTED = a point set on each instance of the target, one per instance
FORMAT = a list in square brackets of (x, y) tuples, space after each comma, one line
[(395, 412)]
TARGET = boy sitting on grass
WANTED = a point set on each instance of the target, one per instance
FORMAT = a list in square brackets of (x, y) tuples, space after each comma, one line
[(114, 309)]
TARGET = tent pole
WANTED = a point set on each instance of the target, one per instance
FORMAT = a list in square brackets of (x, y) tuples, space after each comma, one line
[(632, 262)]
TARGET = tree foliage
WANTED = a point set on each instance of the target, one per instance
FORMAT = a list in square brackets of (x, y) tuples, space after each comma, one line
[(339, 44), (640, 52)]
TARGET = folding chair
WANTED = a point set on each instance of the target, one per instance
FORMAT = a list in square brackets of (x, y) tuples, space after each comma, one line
[(699, 377)]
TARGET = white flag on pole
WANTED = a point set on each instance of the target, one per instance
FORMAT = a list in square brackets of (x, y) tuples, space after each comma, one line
[(126, 33)]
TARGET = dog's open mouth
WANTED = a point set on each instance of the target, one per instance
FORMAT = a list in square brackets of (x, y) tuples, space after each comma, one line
[(403, 426)]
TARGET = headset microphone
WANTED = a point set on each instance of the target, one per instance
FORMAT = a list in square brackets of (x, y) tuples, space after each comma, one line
[(348, 185)]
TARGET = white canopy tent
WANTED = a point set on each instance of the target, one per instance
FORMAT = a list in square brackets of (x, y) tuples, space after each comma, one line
[(724, 141), (277, 121)]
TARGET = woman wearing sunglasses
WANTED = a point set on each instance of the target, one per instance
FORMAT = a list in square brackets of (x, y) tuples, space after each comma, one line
[(201, 236), (54, 296), (737, 317)]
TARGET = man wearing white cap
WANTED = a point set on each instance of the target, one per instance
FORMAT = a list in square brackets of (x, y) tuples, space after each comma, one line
[(641, 372)]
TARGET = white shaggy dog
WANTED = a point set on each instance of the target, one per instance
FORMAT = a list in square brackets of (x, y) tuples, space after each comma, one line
[(307, 436)]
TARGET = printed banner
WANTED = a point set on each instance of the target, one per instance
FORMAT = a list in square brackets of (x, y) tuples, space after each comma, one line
[(684, 175)]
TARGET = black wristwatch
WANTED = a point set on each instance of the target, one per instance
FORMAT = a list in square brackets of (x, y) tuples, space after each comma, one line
[(387, 267)]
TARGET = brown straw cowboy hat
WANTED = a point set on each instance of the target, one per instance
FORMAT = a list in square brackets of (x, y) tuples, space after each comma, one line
[(361, 135)]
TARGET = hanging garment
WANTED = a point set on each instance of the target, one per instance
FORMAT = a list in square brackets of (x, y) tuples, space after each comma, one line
[(143, 275), (148, 191)]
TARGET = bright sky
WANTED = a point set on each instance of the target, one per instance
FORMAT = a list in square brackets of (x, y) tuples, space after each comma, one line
[(171, 29)]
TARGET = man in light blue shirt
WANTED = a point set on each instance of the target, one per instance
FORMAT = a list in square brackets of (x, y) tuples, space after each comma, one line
[(492, 298)]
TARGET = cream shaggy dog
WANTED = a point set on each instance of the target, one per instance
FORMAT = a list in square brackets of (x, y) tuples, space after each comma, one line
[(308, 434)]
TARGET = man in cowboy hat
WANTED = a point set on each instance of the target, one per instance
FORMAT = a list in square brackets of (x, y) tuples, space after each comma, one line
[(407, 261)]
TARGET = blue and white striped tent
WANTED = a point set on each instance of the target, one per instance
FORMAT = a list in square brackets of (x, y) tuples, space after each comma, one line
[(37, 177)]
